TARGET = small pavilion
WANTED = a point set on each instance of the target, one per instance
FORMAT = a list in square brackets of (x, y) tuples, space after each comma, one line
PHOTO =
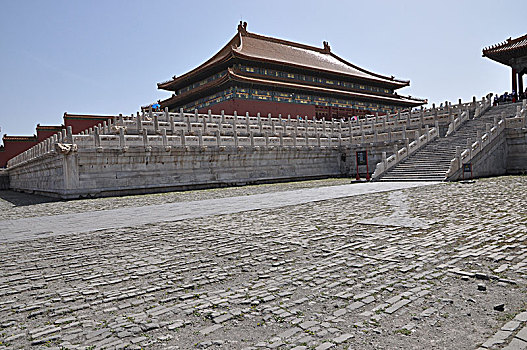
[(512, 53)]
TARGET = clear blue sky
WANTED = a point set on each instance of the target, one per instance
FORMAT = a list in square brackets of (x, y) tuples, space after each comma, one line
[(106, 56)]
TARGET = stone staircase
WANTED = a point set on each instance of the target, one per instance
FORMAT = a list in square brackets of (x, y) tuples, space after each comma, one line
[(431, 162)]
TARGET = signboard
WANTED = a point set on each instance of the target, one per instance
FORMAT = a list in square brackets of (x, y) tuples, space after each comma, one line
[(362, 157), (467, 168)]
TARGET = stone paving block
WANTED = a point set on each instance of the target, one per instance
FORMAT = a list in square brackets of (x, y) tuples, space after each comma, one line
[(516, 344), (341, 339), (15, 337), (522, 334), (356, 305), (393, 300), (397, 306), (222, 318), (289, 333), (498, 338), (307, 324), (210, 329), (511, 326), (340, 312), (325, 346)]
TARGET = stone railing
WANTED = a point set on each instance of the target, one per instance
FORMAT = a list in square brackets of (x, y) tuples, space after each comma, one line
[(492, 132), (195, 129), (464, 156), (99, 138), (457, 122), (481, 107), (412, 119), (520, 119), (61, 142), (410, 148)]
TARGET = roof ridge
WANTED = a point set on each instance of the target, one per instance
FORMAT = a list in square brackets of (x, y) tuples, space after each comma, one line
[(325, 50), (242, 31), (228, 47), (14, 137), (520, 38), (389, 78), (50, 126), (505, 43), (107, 116)]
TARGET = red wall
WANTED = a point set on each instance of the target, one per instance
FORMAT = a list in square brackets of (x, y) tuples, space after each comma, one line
[(13, 148), (275, 108), (44, 133), (262, 107), (80, 124)]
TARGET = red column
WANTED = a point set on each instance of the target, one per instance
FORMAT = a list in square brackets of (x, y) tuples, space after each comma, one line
[(520, 83), (514, 80)]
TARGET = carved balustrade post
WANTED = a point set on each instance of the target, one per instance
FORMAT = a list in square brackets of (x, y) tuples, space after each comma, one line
[(200, 138), (139, 122), (122, 141), (145, 141), (218, 138), (182, 136), (156, 124), (96, 137)]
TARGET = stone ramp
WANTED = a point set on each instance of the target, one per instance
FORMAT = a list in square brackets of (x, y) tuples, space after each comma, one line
[(47, 226), (431, 163)]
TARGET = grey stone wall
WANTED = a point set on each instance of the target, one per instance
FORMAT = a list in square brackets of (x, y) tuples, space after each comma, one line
[(493, 161), (4, 180), (517, 151), (111, 172), (43, 175), (506, 155)]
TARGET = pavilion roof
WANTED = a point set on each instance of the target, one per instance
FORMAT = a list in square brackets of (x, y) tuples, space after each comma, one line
[(507, 50), (255, 47)]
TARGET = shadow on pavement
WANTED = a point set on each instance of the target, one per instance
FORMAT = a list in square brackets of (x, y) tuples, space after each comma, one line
[(22, 199)]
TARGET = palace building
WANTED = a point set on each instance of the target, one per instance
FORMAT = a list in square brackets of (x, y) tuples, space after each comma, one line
[(259, 74)]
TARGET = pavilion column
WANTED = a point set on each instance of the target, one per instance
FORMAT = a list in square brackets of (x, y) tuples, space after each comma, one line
[(520, 83), (514, 80)]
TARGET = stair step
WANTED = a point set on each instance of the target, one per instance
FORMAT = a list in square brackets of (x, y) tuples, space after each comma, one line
[(431, 162)]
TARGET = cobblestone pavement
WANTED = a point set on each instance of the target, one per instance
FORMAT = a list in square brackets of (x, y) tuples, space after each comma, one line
[(432, 267)]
